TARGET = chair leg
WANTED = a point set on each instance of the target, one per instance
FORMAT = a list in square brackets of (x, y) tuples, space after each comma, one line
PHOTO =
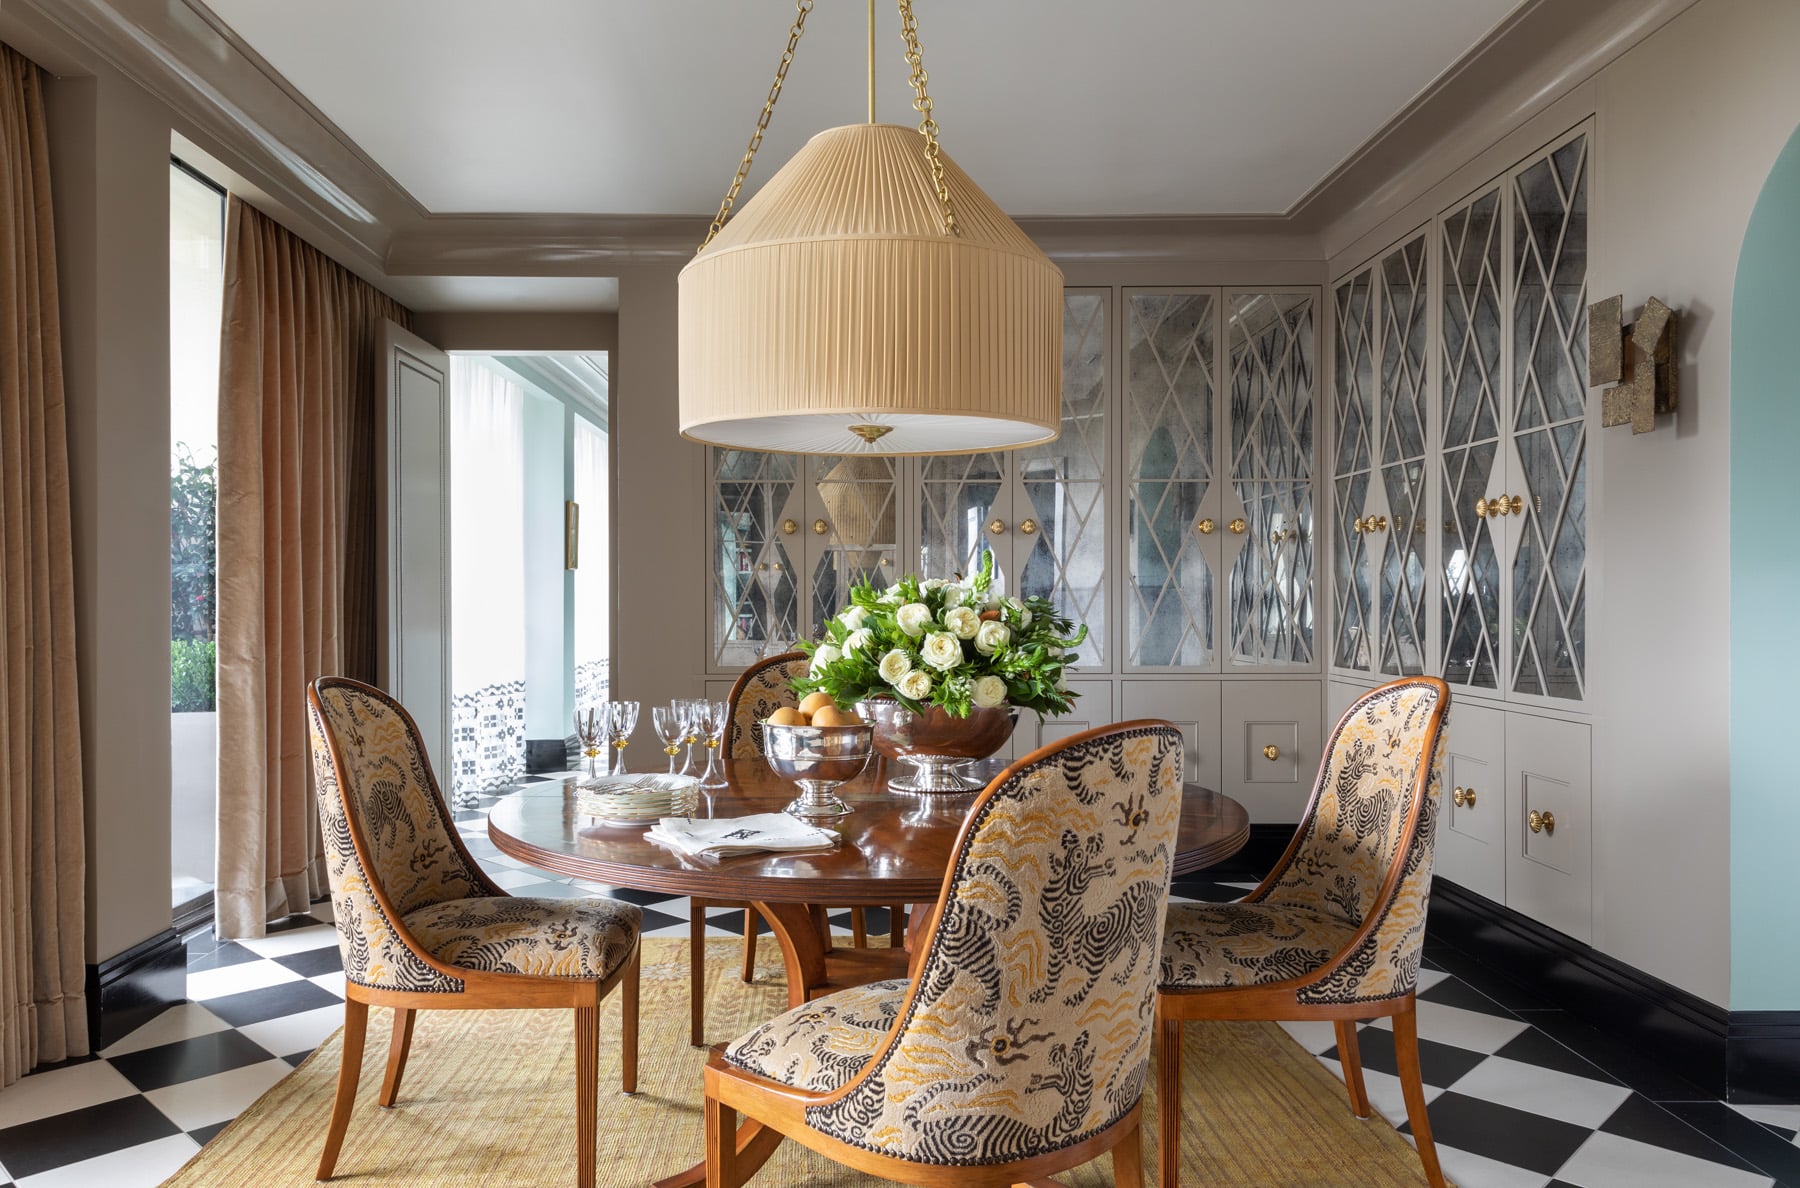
[(751, 922), (397, 1048), (1350, 1056), (1412, 1086), (628, 1010), (356, 1027), (859, 927), (1128, 1159), (696, 972), (721, 1145), (1168, 1103), (587, 1092), (897, 926)]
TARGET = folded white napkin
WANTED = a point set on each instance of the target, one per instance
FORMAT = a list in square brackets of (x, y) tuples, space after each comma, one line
[(738, 835)]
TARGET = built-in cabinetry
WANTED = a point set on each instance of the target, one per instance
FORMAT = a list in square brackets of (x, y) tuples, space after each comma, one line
[(1175, 515), (1459, 515)]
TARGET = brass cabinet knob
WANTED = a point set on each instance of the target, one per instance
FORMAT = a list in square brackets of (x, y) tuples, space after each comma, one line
[(1381, 523), (1515, 505), (1205, 527), (996, 526), (1271, 752), (1463, 797), (1028, 527), (1357, 527), (788, 527), (1237, 526), (820, 527), (1481, 506), (1541, 822)]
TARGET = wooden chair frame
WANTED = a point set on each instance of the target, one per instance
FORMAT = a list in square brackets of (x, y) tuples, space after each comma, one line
[(775, 1110), (1280, 1001), (859, 925), (482, 989)]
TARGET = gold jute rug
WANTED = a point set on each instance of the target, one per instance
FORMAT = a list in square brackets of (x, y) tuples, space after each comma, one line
[(489, 1098)]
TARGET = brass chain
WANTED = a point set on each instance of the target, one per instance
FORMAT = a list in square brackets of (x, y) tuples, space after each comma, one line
[(909, 29), (762, 123)]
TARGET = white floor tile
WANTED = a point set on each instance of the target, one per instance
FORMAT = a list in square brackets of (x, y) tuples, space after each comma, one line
[(1560, 1095), (297, 940), (1385, 1096), (184, 1021), (1467, 1170), (193, 1104), (1787, 1117), (288, 1034), (333, 981), (1430, 977), (1609, 1161), (60, 1090), (1473, 1030), (1315, 1035), (511, 879), (235, 979), (142, 1166)]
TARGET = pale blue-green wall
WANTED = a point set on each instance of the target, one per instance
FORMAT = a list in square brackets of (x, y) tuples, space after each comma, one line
[(1765, 599)]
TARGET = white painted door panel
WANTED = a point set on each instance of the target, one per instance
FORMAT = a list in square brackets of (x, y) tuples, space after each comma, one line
[(1271, 740), (1191, 705), (1549, 871), (1471, 839)]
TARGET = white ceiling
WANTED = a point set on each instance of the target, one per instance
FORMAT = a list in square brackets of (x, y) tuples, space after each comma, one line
[(1057, 107)]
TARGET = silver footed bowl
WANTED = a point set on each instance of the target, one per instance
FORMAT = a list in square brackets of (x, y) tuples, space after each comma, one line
[(818, 759)]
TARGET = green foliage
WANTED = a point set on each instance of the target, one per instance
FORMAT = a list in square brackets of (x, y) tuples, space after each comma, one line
[(192, 664), (937, 643), (193, 548)]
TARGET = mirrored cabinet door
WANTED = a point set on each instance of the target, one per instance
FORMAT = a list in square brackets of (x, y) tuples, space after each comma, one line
[(1172, 520), (964, 507), (851, 532), (1400, 530), (755, 502), (1352, 466), (1549, 386), (1270, 340)]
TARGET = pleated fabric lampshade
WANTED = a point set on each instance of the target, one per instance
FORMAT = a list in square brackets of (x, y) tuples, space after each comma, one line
[(833, 314)]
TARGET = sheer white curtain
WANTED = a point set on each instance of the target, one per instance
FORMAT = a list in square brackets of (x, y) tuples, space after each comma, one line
[(487, 578), (593, 595)]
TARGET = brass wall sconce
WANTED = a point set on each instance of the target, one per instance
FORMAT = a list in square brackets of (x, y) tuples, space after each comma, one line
[(1637, 358)]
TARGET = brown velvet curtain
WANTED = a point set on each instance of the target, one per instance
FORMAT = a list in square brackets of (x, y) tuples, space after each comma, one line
[(43, 1007), (297, 377)]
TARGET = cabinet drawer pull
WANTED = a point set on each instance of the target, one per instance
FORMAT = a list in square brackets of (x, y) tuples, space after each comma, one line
[(1271, 752), (1205, 527), (996, 526), (1542, 822)]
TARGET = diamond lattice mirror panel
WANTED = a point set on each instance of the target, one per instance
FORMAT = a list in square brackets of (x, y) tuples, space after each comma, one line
[(755, 600), (1405, 304), (1353, 422)]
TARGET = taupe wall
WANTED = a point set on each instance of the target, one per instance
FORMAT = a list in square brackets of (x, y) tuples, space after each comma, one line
[(501, 331)]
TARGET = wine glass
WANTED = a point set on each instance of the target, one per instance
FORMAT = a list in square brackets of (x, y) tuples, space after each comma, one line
[(715, 717), (624, 721), (590, 731), (670, 728), (693, 711)]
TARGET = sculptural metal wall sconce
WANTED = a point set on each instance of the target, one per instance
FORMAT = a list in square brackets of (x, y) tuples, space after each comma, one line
[(1637, 358)]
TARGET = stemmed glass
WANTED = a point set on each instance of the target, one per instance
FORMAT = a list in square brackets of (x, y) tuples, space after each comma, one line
[(693, 713), (624, 720), (715, 716), (591, 730), (670, 728)]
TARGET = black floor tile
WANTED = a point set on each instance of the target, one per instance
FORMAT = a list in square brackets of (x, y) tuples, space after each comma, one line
[(1490, 982), (654, 919), (1441, 1065), (1629, 1066), (270, 1002), (35, 1147), (875, 920), (188, 1059), (641, 898), (1208, 892), (1532, 1046), (1642, 1119), (293, 923), (224, 954), (1502, 1133), (206, 1134), (298, 1058), (313, 962), (1762, 1146), (1455, 992)]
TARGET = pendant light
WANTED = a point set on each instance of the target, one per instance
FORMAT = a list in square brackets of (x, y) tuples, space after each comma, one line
[(869, 299)]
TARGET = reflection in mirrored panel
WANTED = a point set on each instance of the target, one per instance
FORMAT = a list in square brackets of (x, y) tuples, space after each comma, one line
[(1270, 344), (1549, 361), (1065, 483), (1471, 337), (1405, 300), (1168, 411), (958, 494), (855, 539), (1403, 570), (1354, 400), (755, 602)]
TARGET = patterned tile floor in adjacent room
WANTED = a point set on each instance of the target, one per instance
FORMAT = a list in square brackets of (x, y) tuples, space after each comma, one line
[(1521, 1096)]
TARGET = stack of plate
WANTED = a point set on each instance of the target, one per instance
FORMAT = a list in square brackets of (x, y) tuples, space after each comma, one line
[(637, 799)]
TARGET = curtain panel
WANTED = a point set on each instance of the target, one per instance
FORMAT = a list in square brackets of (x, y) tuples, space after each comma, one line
[(296, 536), (43, 1006)]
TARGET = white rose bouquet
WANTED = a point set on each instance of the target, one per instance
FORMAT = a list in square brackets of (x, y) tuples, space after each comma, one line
[(955, 646)]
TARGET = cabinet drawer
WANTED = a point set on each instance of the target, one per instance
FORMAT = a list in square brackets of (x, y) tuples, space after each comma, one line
[(1191, 705), (1271, 734), (1549, 871), (1471, 836)]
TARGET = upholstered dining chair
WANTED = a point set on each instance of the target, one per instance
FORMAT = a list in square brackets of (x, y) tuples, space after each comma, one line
[(761, 689), (1020, 1046), (1334, 932), (420, 927)]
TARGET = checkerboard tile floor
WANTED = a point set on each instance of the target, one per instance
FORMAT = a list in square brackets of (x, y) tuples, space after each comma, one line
[(1520, 1095)]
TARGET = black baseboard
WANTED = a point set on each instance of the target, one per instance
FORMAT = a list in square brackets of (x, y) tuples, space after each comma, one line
[(135, 986), (1741, 1056)]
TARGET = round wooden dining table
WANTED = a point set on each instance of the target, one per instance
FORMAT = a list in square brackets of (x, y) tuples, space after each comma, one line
[(894, 848)]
